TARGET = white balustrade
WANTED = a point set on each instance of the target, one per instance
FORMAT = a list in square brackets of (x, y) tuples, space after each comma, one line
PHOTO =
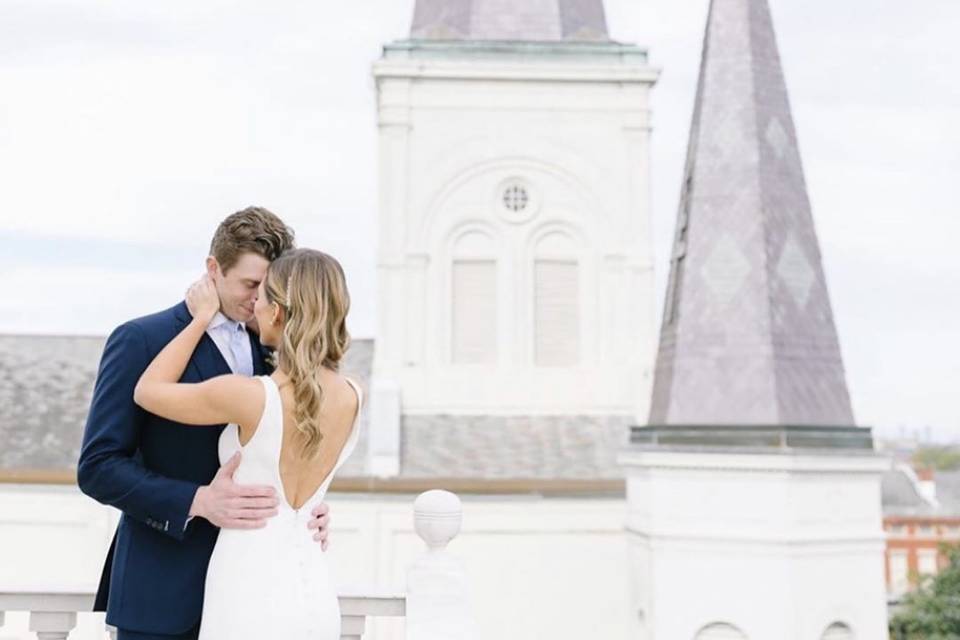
[(54, 615), (437, 606)]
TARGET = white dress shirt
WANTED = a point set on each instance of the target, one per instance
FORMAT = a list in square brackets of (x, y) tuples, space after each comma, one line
[(233, 342), (234, 345)]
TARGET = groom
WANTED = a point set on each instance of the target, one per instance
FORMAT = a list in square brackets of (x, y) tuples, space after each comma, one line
[(164, 476)]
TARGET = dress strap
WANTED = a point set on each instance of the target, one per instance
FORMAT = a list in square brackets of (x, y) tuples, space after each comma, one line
[(351, 442), (270, 429)]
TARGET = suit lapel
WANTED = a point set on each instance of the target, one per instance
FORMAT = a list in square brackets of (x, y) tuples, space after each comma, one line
[(209, 360), (206, 359)]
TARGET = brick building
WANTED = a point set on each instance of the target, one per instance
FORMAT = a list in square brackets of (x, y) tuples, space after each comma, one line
[(921, 512)]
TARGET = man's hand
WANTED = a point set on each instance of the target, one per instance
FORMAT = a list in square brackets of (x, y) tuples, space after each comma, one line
[(232, 506), (321, 522)]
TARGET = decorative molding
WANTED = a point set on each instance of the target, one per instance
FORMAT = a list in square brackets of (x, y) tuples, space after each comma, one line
[(709, 460), (507, 71), (753, 541), (471, 169), (614, 488)]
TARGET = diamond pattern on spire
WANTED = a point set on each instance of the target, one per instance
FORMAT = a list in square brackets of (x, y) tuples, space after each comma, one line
[(726, 270), (777, 138), (795, 270)]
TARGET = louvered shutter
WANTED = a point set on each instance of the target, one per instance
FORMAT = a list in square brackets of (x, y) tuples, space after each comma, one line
[(474, 317), (556, 313)]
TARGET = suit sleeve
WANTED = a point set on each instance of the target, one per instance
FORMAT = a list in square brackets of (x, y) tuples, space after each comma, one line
[(109, 470)]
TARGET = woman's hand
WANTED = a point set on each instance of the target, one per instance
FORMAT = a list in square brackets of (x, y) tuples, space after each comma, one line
[(202, 299)]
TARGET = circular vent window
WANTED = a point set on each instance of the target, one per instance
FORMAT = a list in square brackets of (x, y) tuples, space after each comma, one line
[(516, 200)]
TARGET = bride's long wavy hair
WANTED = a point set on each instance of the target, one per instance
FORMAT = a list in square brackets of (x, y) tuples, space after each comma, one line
[(310, 287)]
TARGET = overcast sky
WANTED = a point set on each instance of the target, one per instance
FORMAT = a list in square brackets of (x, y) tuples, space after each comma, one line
[(128, 130)]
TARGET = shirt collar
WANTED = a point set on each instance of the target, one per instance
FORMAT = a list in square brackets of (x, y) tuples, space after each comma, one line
[(226, 323)]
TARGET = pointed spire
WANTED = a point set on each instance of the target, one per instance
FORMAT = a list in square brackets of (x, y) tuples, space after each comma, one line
[(510, 20), (748, 335)]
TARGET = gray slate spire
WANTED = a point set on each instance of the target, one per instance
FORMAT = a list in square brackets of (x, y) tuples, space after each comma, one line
[(748, 336), (510, 20)]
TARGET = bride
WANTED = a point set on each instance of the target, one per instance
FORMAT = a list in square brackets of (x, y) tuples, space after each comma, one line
[(292, 430)]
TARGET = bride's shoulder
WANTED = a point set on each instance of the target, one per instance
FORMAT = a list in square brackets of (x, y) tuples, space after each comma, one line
[(348, 389), (351, 385)]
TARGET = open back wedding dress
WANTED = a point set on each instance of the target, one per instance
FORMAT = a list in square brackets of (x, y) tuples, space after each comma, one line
[(272, 582)]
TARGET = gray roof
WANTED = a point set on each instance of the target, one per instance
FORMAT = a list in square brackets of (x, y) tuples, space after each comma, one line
[(948, 490), (510, 20), (748, 335), (543, 447), (46, 383), (901, 498), (45, 388)]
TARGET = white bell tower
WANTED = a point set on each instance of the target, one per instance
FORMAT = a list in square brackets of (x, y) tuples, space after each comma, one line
[(515, 262)]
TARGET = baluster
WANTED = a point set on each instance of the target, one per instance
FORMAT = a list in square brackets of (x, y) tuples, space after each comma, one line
[(352, 627), (52, 625), (438, 600)]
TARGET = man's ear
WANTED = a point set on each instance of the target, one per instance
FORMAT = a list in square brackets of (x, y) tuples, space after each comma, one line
[(212, 266)]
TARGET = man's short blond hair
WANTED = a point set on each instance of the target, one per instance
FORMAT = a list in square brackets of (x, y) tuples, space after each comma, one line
[(252, 230)]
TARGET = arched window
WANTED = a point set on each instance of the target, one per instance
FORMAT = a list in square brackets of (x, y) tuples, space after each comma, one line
[(473, 299), (720, 631), (556, 301), (837, 631)]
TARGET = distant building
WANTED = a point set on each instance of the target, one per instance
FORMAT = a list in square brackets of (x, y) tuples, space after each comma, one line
[(921, 513)]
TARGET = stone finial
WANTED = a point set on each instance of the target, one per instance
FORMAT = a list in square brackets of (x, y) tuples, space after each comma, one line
[(437, 516)]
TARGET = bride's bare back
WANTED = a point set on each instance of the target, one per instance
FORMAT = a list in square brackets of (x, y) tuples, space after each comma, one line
[(302, 477)]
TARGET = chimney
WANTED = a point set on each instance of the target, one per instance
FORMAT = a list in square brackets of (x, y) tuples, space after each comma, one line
[(926, 486)]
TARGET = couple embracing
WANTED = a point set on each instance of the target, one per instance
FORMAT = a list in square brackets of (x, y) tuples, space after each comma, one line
[(216, 427)]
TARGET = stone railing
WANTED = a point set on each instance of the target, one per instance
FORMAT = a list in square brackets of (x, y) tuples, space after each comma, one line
[(54, 615), (435, 607)]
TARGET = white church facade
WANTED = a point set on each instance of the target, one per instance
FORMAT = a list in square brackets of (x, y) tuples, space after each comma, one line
[(514, 239)]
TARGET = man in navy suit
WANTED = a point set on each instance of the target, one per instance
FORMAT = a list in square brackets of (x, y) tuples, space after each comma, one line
[(166, 477)]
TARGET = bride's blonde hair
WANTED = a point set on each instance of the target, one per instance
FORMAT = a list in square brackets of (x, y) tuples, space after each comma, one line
[(310, 287)]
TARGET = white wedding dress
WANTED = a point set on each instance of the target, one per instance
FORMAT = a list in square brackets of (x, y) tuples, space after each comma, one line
[(272, 582)]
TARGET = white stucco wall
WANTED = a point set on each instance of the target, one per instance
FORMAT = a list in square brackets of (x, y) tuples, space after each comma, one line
[(539, 568), (778, 546)]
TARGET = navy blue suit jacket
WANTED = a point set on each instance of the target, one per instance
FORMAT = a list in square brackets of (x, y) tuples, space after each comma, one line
[(150, 468)]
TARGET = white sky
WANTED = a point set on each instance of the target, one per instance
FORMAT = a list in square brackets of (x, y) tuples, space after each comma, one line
[(128, 130)]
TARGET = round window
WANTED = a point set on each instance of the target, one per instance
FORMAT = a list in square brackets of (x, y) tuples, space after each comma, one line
[(517, 200)]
